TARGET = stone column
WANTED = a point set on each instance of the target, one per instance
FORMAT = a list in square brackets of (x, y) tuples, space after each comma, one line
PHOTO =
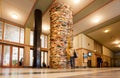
[(61, 29), (37, 40)]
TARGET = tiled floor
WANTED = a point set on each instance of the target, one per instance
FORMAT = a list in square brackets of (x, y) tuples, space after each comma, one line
[(60, 73)]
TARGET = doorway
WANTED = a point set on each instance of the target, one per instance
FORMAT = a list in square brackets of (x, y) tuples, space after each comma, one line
[(44, 59), (11, 55)]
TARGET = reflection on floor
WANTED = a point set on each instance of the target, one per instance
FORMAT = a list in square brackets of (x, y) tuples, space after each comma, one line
[(60, 73)]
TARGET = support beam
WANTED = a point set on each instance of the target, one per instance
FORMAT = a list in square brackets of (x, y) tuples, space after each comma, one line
[(37, 41)]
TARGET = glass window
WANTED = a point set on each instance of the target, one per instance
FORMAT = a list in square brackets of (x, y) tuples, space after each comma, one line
[(45, 41), (31, 57), (1, 25), (6, 56), (42, 56), (31, 37), (21, 54), (22, 36), (42, 41), (46, 58), (11, 33), (15, 56), (0, 54)]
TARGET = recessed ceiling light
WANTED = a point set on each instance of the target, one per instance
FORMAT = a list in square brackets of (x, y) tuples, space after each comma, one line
[(14, 16), (96, 19), (76, 1), (106, 31), (119, 45), (116, 42)]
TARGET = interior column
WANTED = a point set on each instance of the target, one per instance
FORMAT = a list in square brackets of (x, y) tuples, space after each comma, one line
[(26, 59), (37, 41), (61, 29)]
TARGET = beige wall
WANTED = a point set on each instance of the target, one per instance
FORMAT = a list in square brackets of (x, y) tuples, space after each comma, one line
[(84, 44), (81, 62), (107, 52), (27, 36), (87, 43), (117, 59), (106, 61), (82, 41), (93, 60), (76, 42), (79, 59), (26, 59)]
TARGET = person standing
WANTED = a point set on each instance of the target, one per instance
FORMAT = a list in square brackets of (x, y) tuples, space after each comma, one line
[(70, 54), (99, 61), (70, 57)]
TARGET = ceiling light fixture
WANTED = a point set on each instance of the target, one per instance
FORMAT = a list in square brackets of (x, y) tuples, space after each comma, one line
[(14, 16), (106, 31), (96, 19), (119, 45), (76, 1), (116, 42)]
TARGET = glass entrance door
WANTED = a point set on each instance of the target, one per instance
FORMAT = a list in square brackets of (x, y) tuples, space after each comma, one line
[(31, 57), (11, 56), (6, 56), (15, 57), (44, 59), (21, 52)]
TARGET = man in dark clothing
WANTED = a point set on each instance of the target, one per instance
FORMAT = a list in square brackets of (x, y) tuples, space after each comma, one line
[(99, 61)]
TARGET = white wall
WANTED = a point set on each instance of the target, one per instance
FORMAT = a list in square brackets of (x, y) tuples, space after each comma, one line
[(76, 42), (87, 43), (107, 52), (82, 41)]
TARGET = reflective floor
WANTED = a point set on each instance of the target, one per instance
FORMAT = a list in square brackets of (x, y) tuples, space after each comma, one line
[(60, 73)]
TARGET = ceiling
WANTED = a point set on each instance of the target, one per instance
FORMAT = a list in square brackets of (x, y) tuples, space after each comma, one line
[(90, 17), (16, 10)]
